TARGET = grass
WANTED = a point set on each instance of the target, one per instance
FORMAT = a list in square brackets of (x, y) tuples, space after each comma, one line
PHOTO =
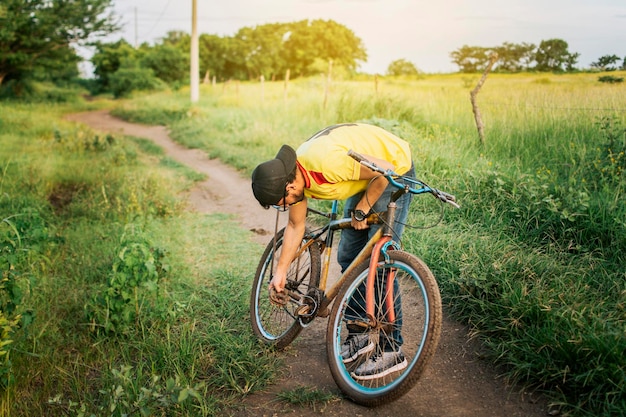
[(310, 397), (184, 348), (533, 261)]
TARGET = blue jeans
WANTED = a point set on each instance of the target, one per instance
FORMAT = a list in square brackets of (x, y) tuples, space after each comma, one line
[(353, 241)]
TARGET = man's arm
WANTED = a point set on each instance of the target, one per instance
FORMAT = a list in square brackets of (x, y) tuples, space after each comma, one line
[(374, 190), (294, 231)]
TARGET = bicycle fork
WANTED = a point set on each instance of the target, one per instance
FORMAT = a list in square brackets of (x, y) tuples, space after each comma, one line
[(382, 245)]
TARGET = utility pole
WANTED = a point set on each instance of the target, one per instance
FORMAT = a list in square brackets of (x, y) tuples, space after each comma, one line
[(195, 69)]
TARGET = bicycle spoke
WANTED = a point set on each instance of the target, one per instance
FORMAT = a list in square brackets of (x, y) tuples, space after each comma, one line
[(279, 325), (381, 374)]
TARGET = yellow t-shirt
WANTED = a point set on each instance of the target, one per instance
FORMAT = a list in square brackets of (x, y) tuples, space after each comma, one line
[(330, 174)]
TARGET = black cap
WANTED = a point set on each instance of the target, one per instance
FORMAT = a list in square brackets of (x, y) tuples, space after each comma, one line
[(269, 179)]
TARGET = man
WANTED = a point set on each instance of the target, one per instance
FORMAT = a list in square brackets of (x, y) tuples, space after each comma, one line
[(322, 169)]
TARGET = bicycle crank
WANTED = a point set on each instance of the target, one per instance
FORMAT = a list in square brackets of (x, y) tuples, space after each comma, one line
[(310, 306)]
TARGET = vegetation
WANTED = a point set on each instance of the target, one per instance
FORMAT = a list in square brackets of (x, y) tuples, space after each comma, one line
[(608, 63), (551, 55), (534, 259), (610, 79), (36, 36), (101, 310), (303, 48), (401, 67), (307, 396)]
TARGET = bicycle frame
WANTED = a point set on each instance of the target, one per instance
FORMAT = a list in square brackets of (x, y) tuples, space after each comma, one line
[(378, 244)]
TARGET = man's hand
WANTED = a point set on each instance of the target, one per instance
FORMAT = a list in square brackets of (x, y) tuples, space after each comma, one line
[(279, 299), (278, 295), (278, 282)]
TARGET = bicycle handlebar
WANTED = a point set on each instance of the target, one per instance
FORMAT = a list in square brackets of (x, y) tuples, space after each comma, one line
[(391, 175)]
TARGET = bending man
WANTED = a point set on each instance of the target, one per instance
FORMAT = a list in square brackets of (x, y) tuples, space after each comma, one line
[(322, 169)]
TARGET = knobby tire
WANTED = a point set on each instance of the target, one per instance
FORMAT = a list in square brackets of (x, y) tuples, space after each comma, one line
[(421, 327), (275, 325)]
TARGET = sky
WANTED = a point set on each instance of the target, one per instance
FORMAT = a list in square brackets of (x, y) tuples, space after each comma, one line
[(423, 32)]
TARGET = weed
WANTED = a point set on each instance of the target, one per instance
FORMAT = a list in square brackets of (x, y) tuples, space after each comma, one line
[(125, 397), (307, 396), (132, 286)]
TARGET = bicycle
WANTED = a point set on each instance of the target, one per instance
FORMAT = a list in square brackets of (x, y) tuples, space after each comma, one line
[(383, 275)]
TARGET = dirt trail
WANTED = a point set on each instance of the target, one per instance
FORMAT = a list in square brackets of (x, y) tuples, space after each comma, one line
[(456, 384)]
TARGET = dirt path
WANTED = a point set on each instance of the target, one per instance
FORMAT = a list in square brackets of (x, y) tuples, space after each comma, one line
[(457, 382)]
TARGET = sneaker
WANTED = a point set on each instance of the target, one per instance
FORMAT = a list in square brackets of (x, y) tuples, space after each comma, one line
[(381, 365), (355, 346)]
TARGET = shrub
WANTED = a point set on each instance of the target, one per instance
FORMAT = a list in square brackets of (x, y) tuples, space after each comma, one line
[(126, 80), (610, 79), (19, 235), (132, 284)]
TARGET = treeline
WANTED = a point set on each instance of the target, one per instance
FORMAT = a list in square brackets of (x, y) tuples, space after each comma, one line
[(38, 40), (551, 55), (303, 48)]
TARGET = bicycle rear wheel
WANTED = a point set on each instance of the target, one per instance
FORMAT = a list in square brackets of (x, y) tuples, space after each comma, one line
[(416, 328), (279, 325)]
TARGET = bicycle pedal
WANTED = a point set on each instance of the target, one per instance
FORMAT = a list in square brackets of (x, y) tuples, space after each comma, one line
[(278, 298)]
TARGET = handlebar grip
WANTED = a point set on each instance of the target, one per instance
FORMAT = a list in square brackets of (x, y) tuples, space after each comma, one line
[(365, 162), (357, 157)]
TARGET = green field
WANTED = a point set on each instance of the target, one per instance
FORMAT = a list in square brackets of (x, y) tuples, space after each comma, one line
[(106, 277)]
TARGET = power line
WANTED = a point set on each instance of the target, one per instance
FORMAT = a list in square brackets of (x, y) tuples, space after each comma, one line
[(158, 20)]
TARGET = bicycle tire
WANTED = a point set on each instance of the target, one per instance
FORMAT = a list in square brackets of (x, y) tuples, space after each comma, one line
[(421, 329), (275, 325)]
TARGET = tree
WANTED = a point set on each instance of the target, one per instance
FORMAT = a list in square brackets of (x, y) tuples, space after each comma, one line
[(212, 54), (401, 67), (322, 39), (471, 58), (553, 55), (514, 57), (109, 57), (606, 63), (168, 63), (262, 48), (33, 31)]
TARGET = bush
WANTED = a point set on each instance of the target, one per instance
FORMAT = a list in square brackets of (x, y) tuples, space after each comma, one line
[(132, 285), (33, 91), (126, 80), (22, 237), (610, 79)]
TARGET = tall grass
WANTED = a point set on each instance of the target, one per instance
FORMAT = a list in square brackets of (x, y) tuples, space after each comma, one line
[(68, 196), (534, 260)]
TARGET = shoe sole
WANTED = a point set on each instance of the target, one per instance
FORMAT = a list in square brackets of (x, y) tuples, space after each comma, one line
[(360, 352), (397, 367)]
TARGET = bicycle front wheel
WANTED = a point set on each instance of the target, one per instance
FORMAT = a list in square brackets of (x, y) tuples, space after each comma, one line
[(394, 349), (280, 325)]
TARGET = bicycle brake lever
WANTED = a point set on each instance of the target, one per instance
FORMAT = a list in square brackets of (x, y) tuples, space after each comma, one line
[(446, 198)]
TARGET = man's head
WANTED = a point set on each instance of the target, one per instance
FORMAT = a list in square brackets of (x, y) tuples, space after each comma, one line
[(270, 179)]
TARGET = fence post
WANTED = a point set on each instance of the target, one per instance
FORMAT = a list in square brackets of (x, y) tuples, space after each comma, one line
[(328, 80), (286, 86)]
